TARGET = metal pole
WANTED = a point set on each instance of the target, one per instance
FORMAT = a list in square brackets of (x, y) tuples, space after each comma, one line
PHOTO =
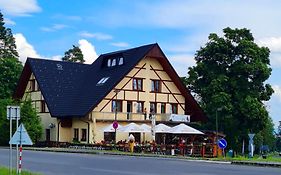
[(11, 154), (217, 126), (115, 116), (17, 146), (217, 132), (20, 159)]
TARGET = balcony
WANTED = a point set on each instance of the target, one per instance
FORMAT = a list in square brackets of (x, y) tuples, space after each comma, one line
[(123, 116)]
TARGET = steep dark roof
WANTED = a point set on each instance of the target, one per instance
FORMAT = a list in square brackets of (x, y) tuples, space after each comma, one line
[(71, 90)]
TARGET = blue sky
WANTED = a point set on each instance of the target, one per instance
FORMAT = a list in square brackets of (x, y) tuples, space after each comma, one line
[(47, 29)]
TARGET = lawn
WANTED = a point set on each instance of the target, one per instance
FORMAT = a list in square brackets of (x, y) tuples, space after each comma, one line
[(257, 158), (5, 171)]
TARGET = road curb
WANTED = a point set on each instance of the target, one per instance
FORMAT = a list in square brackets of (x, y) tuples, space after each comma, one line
[(265, 164)]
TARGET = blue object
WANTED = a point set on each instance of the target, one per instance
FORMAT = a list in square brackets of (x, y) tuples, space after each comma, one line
[(222, 143), (21, 137)]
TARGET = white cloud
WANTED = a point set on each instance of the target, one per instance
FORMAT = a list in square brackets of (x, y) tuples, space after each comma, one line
[(9, 21), (24, 48), (274, 44), (120, 44), (186, 59), (181, 62), (88, 51), (54, 27), (98, 36), (277, 92), (19, 7)]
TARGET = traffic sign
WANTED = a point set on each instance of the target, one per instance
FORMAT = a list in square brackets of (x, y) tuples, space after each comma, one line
[(13, 112), (21, 137), (222, 143), (115, 124)]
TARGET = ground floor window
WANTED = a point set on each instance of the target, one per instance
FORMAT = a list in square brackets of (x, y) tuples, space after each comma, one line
[(109, 136), (76, 134), (48, 134), (84, 134)]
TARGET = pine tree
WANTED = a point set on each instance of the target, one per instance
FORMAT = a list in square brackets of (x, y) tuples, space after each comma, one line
[(10, 66), (7, 41), (74, 55)]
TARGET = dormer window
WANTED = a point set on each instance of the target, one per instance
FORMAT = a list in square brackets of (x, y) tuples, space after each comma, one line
[(102, 81), (108, 62), (120, 61), (113, 63)]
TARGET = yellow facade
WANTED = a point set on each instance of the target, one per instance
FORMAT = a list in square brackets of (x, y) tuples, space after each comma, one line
[(148, 70)]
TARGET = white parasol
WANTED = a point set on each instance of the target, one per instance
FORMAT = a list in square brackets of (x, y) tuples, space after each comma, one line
[(132, 127), (162, 128), (184, 129)]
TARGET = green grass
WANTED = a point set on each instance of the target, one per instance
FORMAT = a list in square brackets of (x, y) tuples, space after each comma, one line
[(5, 171), (257, 158)]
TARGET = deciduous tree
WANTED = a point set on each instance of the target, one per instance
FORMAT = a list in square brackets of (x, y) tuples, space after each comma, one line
[(229, 77), (31, 120)]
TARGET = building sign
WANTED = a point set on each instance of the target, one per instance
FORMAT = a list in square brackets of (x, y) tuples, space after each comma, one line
[(179, 118)]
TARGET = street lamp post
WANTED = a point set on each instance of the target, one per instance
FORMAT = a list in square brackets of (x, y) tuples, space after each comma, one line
[(217, 126), (115, 116)]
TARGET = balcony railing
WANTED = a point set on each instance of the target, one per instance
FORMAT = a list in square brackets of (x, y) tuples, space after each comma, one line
[(124, 116)]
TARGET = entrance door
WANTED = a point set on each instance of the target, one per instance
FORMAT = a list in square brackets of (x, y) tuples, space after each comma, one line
[(48, 134), (129, 110)]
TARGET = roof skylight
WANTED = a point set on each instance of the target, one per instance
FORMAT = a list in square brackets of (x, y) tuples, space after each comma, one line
[(102, 81)]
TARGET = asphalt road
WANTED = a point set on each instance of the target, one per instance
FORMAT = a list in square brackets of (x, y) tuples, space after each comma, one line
[(50, 163)]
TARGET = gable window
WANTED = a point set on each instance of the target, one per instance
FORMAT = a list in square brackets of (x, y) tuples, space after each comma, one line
[(155, 86), (139, 107), (113, 63), (137, 84), (43, 106), (102, 81), (121, 61), (153, 107), (174, 108), (84, 134), (76, 134), (116, 105), (32, 85), (163, 108)]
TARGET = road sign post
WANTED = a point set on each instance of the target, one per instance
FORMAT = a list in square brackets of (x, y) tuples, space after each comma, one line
[(251, 145), (13, 113), (222, 143), (20, 137)]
